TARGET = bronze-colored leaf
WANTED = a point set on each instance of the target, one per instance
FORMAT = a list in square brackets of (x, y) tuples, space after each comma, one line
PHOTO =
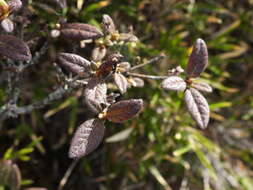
[(121, 82), (128, 37), (95, 95), (124, 110), (15, 5), (98, 53), (109, 65), (202, 86), (80, 31), (10, 175), (174, 83), (14, 48), (74, 63), (4, 10), (108, 24), (87, 138), (198, 59), (197, 106), (7, 25)]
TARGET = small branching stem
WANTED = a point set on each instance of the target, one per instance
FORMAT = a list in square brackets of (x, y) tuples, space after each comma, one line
[(147, 76)]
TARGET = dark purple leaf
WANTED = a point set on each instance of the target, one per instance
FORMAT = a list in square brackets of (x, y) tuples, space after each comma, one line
[(197, 106), (108, 24), (124, 110), (80, 31), (14, 48), (121, 82), (74, 63), (98, 53), (95, 95), (86, 138), (198, 59), (202, 86), (174, 83)]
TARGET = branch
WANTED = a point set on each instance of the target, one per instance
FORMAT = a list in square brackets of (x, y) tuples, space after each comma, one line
[(154, 60), (147, 76)]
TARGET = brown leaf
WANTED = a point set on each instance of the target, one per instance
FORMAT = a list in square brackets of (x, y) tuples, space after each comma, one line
[(197, 106), (10, 175), (74, 63), (7, 25), (121, 82), (124, 110), (14, 48), (198, 59), (109, 64), (174, 83), (80, 31), (108, 24), (98, 53), (95, 95), (87, 138), (202, 86), (4, 10)]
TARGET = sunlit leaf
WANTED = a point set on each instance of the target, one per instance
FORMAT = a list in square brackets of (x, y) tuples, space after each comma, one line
[(202, 86), (121, 82), (86, 138), (174, 83)]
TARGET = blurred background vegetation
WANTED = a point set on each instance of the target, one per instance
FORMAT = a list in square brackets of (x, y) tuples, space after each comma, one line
[(162, 148)]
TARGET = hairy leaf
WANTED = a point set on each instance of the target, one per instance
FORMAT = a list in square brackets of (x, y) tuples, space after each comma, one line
[(124, 110), (197, 106), (86, 138), (7, 25), (10, 175), (121, 82), (14, 48), (174, 83), (98, 53), (109, 64), (95, 95), (74, 63), (108, 24), (198, 59), (202, 86), (79, 31)]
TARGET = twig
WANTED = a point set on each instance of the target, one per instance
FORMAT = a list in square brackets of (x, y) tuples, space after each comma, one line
[(67, 174), (146, 76), (154, 60)]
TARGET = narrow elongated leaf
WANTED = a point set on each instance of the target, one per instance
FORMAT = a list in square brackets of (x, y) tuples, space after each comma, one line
[(10, 175), (124, 110), (174, 83), (74, 63), (120, 136), (14, 48), (202, 86), (108, 24), (86, 138), (198, 59), (80, 31), (95, 95), (197, 106), (121, 82), (98, 53)]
